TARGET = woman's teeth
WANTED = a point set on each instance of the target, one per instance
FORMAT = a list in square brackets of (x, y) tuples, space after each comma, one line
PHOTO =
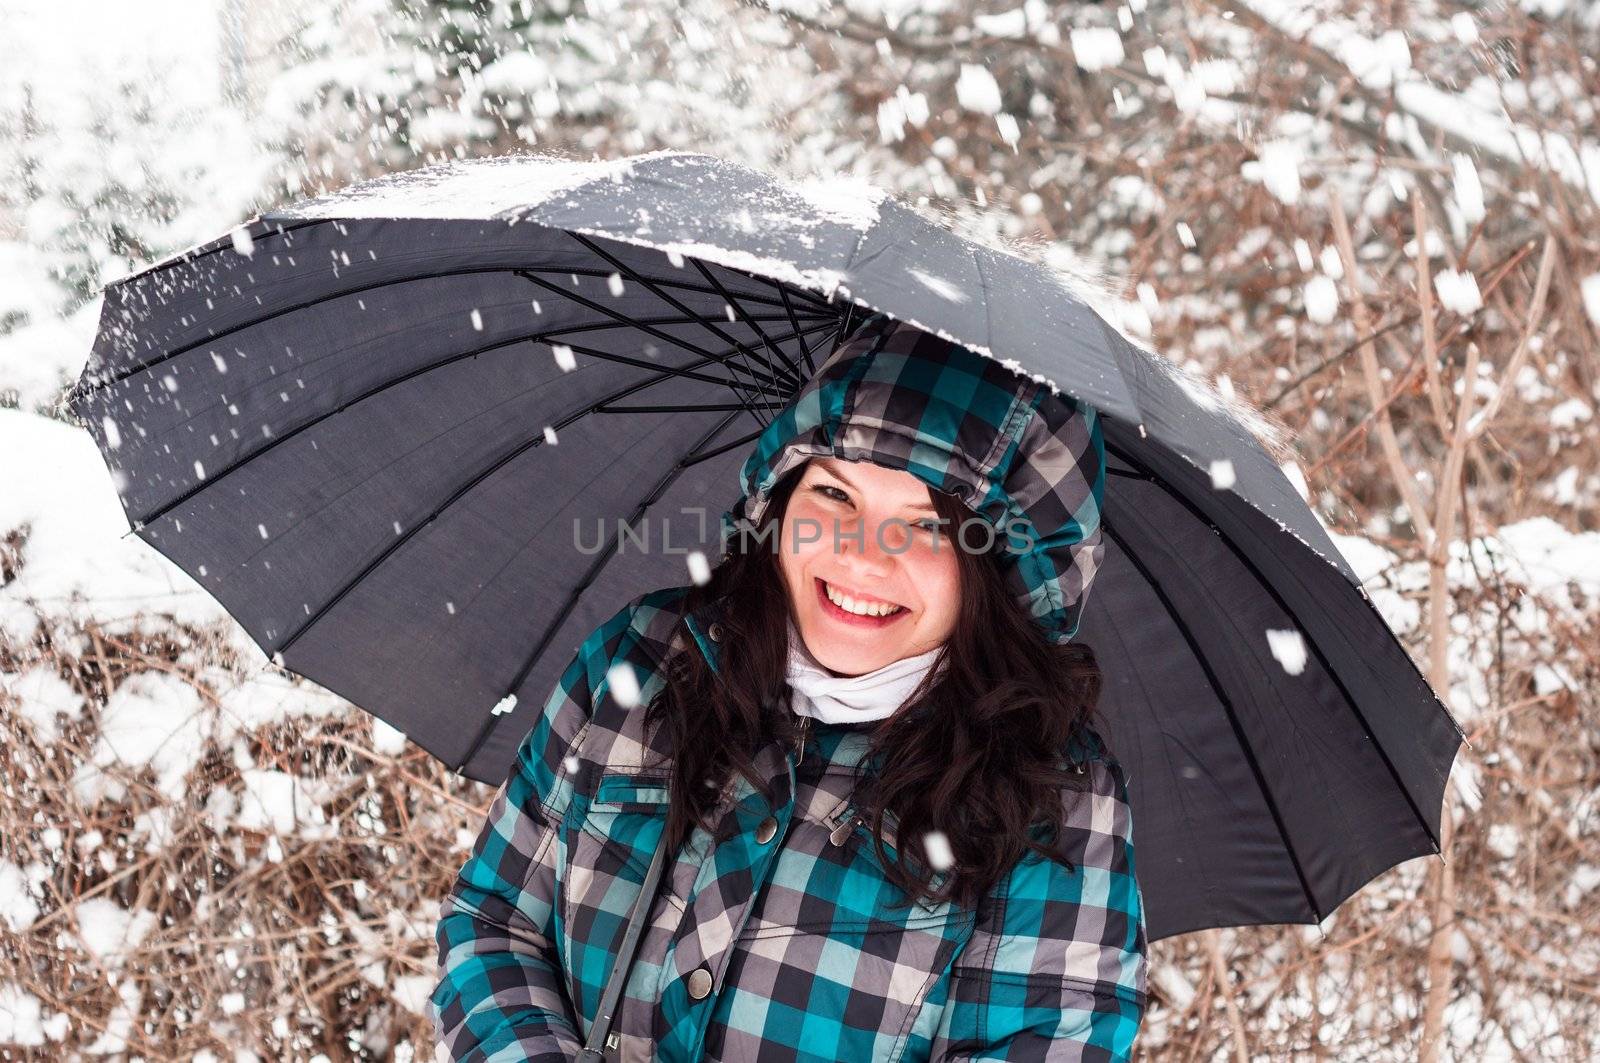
[(850, 605)]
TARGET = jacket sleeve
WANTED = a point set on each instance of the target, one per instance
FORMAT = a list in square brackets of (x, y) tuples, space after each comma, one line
[(501, 994), (1056, 967)]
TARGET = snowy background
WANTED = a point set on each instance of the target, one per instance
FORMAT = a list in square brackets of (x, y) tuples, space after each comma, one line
[(1380, 232)]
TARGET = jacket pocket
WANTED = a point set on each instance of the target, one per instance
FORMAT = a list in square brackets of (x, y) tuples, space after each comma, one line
[(608, 840)]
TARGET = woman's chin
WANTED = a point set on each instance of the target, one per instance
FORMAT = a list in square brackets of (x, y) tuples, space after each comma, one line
[(850, 652)]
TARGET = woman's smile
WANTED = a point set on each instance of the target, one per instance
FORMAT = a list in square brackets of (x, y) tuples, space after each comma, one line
[(857, 610)]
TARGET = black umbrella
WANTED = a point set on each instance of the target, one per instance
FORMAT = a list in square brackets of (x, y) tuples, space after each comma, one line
[(394, 430)]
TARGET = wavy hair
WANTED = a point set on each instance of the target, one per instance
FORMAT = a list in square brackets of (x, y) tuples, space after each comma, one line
[(978, 755)]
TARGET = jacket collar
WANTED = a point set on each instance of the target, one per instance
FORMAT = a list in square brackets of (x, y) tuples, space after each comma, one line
[(706, 636), (844, 749), (847, 749)]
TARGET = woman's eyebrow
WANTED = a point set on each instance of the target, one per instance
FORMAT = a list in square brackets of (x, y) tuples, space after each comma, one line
[(832, 468)]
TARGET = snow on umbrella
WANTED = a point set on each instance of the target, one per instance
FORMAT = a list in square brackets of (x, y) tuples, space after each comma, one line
[(396, 431)]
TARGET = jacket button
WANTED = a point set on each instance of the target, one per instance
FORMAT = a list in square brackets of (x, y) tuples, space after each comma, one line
[(715, 631), (699, 983), (766, 830)]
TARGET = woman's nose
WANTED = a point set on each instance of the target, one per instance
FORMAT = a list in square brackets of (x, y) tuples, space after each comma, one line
[(873, 546)]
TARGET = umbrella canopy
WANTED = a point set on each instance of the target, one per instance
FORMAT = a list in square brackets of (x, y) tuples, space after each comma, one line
[(395, 430)]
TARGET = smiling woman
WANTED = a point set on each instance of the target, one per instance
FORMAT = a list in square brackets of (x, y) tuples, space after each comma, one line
[(943, 869), (867, 585)]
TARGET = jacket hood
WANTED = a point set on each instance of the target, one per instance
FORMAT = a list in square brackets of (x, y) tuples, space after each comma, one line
[(1029, 461)]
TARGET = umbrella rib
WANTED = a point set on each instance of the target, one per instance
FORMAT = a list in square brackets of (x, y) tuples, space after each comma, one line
[(770, 386), (650, 330), (79, 391), (1227, 708), (724, 359), (227, 244), (633, 322), (706, 407), (1322, 659), (733, 304), (705, 322), (457, 494), (589, 576), (661, 373), (805, 348), (681, 285), (727, 298), (819, 305), (698, 458), (844, 325)]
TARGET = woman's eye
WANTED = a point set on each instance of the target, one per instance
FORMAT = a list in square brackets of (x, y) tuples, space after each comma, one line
[(930, 525), (823, 489)]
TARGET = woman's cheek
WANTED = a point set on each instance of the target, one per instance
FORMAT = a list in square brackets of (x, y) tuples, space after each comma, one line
[(936, 565)]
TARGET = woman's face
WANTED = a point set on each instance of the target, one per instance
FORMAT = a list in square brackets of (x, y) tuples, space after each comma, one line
[(866, 536)]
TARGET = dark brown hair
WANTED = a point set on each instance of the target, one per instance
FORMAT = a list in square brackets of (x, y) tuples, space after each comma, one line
[(978, 756)]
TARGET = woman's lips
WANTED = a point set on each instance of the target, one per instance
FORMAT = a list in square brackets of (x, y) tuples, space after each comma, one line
[(844, 616)]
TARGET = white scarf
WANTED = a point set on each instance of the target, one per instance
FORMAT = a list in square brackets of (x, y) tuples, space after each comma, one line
[(856, 698)]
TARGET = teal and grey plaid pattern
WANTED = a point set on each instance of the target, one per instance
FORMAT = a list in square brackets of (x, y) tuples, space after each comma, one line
[(1029, 461), (778, 937)]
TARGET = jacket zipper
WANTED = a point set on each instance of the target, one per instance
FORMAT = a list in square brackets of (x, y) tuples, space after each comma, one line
[(838, 834), (851, 817)]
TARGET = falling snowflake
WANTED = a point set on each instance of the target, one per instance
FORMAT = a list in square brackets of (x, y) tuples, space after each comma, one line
[(624, 685), (1097, 48), (1009, 132), (1503, 839), (1322, 299), (564, 357), (938, 285), (699, 568), (977, 90), (1590, 289), (1278, 168), (1468, 190), (1222, 476), (1332, 264), (1458, 291), (938, 850), (1288, 647)]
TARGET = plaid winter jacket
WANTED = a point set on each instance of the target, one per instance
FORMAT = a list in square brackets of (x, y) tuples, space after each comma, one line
[(785, 940)]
